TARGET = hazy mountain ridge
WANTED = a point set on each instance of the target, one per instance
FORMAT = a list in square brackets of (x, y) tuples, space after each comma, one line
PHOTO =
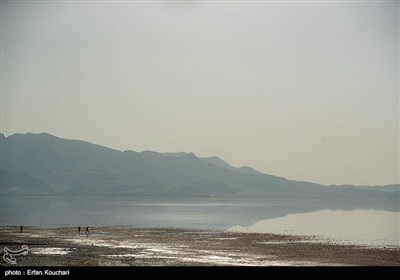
[(221, 163), (43, 164)]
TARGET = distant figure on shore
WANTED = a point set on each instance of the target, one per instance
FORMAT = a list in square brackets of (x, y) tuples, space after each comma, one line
[(79, 230), (87, 231), (21, 229)]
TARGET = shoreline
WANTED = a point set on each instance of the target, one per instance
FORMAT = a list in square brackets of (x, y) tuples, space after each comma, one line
[(127, 246)]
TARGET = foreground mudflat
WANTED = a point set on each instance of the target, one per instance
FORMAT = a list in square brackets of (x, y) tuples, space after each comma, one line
[(124, 246)]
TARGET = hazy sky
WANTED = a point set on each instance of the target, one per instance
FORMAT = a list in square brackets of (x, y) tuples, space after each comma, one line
[(304, 90)]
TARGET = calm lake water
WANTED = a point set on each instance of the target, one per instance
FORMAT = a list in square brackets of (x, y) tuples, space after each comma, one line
[(366, 227), (215, 214)]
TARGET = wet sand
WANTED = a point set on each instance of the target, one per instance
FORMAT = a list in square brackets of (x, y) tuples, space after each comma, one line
[(124, 246)]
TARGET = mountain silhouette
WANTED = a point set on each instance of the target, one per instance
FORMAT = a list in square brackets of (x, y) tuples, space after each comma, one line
[(42, 164)]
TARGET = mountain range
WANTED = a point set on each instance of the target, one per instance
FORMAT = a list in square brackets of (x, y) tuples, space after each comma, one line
[(42, 164)]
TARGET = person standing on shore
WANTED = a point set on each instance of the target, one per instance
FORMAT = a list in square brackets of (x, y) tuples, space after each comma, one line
[(87, 231), (21, 229), (79, 230)]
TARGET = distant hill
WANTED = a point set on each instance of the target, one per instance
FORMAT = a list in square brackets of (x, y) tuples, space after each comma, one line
[(219, 162), (42, 164), (178, 154)]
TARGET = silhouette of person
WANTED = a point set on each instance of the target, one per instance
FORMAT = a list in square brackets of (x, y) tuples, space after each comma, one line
[(79, 230), (21, 229), (87, 231)]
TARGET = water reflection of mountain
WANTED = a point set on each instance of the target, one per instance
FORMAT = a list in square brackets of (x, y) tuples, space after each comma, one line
[(152, 212), (46, 180)]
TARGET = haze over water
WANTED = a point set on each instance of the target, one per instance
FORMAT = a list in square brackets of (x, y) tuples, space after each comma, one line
[(306, 91), (365, 227)]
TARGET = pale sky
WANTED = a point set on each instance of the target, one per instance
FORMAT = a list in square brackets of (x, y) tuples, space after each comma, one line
[(303, 90)]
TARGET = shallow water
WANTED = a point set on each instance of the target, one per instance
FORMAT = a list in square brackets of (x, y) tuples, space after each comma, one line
[(50, 251), (184, 253), (201, 213), (365, 227), (367, 223)]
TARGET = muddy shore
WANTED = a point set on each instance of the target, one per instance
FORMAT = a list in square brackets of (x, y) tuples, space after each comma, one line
[(124, 246)]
